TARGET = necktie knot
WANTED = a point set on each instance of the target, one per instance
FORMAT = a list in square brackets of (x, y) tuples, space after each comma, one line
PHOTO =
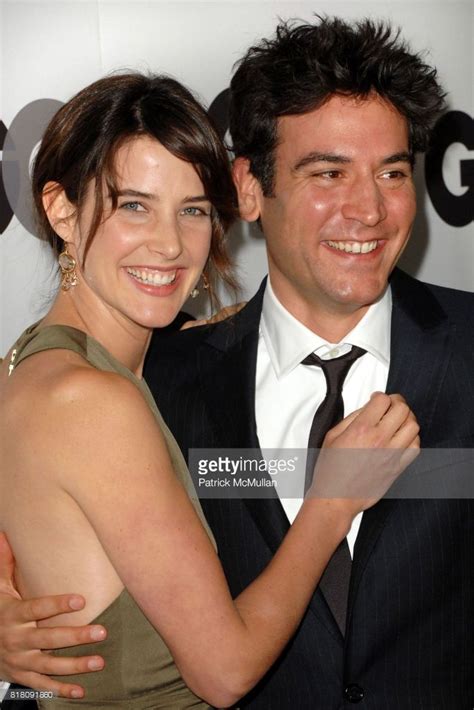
[(335, 369)]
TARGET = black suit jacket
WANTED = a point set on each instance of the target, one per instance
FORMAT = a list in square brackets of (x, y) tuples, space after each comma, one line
[(409, 640)]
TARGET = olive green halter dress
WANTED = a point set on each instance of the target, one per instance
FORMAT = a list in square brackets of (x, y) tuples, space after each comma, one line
[(139, 673)]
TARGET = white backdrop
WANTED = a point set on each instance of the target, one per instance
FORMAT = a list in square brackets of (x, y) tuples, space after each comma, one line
[(50, 50)]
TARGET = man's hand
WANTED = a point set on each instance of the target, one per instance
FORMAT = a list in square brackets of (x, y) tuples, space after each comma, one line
[(21, 660)]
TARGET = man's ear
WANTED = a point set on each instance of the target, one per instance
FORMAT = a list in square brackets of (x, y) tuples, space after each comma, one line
[(60, 212), (248, 190)]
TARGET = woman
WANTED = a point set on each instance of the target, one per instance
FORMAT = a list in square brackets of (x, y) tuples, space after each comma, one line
[(133, 191)]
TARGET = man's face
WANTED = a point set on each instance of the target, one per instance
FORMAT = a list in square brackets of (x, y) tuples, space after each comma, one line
[(342, 210)]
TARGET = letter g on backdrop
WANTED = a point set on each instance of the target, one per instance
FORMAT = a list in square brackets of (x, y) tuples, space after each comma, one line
[(19, 141), (456, 210)]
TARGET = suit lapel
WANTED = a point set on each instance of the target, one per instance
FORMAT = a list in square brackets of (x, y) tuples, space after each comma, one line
[(419, 357), (227, 367)]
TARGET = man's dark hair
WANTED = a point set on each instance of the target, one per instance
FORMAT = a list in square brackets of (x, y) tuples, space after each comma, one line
[(304, 65)]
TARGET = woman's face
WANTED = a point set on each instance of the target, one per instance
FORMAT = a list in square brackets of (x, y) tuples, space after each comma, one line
[(149, 253)]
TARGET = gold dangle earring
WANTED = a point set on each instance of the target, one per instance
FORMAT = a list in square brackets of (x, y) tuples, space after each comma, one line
[(67, 264), (205, 284)]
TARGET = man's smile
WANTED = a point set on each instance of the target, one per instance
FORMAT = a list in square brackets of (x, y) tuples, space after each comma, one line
[(354, 247)]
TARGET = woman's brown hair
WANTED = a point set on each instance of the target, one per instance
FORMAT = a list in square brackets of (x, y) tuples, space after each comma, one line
[(82, 139)]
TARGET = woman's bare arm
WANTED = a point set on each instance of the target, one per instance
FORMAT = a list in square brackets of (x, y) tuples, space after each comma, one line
[(124, 483)]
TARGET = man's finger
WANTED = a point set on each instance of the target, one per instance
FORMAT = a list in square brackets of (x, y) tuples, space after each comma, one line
[(7, 563), (62, 636), (6, 554), (49, 665), (42, 682), (47, 607)]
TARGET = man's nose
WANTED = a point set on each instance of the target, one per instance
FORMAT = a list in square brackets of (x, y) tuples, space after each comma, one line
[(365, 202)]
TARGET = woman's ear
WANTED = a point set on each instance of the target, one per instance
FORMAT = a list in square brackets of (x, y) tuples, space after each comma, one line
[(60, 212), (248, 190)]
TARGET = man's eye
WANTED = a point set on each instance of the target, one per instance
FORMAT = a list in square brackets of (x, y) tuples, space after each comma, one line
[(393, 175), (328, 174)]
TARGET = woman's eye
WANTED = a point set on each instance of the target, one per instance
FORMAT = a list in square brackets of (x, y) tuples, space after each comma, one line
[(195, 212), (132, 206)]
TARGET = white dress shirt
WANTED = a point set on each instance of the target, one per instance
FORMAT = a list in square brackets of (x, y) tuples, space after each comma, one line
[(288, 393)]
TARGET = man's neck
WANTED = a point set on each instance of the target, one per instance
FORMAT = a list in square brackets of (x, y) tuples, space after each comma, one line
[(331, 325), (328, 319)]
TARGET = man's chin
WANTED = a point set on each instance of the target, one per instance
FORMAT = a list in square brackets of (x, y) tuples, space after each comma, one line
[(357, 298)]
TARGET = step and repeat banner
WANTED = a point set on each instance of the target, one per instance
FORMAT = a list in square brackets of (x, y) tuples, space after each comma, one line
[(50, 50)]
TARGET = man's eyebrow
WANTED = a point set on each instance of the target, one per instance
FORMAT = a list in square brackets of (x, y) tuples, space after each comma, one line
[(335, 159), (402, 157), (317, 157)]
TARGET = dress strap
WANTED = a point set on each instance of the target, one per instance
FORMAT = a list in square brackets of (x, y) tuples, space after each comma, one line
[(64, 337), (35, 340)]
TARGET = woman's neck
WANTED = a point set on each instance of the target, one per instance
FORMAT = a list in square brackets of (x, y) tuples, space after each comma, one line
[(125, 340)]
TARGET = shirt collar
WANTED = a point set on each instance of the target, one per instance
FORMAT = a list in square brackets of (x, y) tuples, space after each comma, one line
[(288, 341)]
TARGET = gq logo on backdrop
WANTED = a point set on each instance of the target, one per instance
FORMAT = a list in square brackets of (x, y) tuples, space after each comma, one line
[(19, 141), (456, 210), (17, 144)]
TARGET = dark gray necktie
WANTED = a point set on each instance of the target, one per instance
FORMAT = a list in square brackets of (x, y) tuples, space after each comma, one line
[(335, 581)]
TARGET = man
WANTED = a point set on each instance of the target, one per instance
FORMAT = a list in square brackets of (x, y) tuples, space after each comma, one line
[(326, 120)]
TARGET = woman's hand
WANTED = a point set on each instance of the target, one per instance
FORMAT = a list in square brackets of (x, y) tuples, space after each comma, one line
[(21, 660), (364, 454), (224, 313)]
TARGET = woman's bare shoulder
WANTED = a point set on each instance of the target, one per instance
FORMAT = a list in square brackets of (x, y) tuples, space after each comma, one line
[(60, 387)]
